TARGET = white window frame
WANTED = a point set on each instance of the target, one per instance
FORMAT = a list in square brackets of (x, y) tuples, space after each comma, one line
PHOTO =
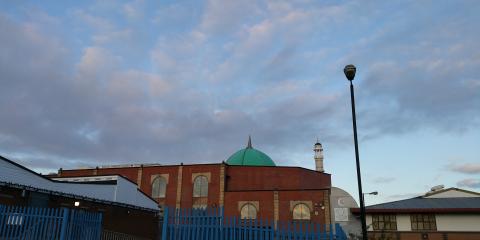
[(159, 187), (301, 207)]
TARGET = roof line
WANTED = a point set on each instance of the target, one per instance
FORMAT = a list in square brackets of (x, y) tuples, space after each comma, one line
[(93, 176), (392, 201), (74, 196), (280, 190), (173, 165), (51, 180), (418, 210), (428, 194), (229, 165), (25, 168)]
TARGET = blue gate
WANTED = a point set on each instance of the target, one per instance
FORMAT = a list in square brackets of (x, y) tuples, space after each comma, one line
[(211, 224), (18, 222)]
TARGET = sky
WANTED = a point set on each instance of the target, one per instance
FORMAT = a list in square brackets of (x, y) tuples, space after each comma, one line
[(91, 83)]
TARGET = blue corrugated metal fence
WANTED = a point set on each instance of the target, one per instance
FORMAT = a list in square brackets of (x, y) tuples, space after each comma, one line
[(18, 222), (211, 224)]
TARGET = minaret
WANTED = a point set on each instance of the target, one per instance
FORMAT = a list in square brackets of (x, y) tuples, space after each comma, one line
[(318, 149)]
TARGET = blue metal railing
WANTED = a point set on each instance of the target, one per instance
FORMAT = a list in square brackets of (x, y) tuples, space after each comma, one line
[(17, 222), (211, 224)]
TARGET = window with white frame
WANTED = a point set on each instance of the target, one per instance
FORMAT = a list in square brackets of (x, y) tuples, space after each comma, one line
[(200, 186), (159, 187), (301, 212), (248, 211)]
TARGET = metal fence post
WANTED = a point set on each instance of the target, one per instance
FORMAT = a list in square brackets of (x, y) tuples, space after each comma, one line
[(100, 229), (63, 232), (165, 223)]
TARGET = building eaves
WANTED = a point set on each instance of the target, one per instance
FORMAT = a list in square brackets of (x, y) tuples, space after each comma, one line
[(73, 196), (432, 205), (428, 194)]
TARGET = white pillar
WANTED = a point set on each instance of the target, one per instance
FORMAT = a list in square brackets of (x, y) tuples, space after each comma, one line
[(318, 149)]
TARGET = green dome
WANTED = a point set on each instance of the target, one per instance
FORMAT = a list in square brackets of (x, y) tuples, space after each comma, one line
[(250, 157)]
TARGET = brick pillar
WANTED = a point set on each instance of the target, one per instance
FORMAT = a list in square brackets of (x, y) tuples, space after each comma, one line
[(326, 204), (179, 186), (275, 208), (222, 185), (139, 176)]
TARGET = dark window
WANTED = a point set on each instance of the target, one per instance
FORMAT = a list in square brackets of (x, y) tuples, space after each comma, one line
[(384, 222), (423, 222)]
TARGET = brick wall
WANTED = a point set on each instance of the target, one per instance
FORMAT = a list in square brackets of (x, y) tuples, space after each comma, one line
[(264, 199), (315, 196), (150, 172), (242, 178), (241, 183)]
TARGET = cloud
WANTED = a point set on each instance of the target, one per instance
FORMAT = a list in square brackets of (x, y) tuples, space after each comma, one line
[(470, 183), (96, 60), (467, 168), (222, 17), (192, 82), (271, 47), (96, 22), (134, 10), (419, 79)]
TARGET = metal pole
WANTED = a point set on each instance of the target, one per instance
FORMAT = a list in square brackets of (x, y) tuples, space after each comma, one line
[(359, 178)]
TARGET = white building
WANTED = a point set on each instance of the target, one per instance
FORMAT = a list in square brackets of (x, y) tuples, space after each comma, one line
[(439, 214), (341, 204)]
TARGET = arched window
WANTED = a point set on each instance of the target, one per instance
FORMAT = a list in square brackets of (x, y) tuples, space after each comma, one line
[(200, 186), (159, 186), (301, 212), (248, 211)]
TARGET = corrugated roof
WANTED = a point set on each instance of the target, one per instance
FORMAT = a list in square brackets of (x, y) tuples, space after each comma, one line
[(430, 203), (121, 191)]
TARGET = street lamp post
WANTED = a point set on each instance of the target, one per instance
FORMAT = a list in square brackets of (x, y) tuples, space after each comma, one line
[(370, 193), (350, 71)]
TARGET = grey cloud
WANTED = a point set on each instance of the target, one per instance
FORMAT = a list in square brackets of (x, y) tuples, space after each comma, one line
[(280, 67), (467, 168), (470, 183), (423, 78), (200, 103), (222, 17), (102, 114)]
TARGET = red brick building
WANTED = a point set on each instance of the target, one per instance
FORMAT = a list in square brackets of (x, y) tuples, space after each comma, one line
[(248, 184)]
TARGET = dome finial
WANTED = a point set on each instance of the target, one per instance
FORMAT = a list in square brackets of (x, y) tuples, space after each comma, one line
[(249, 144), (250, 156)]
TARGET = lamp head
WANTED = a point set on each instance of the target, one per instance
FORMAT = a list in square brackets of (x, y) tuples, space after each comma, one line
[(350, 71), (374, 193)]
